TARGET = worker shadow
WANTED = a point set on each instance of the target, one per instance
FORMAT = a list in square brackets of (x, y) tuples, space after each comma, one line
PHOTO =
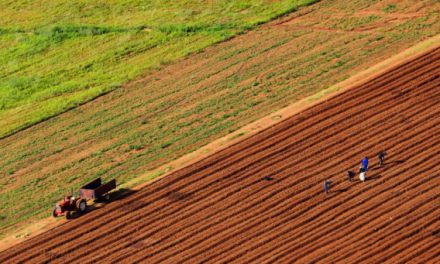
[(396, 162), (375, 167), (268, 178), (343, 190), (373, 177), (386, 164)]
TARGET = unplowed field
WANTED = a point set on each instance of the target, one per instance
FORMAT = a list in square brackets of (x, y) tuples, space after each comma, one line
[(222, 210)]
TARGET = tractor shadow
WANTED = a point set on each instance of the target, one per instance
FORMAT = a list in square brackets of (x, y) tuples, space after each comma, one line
[(76, 215), (116, 195)]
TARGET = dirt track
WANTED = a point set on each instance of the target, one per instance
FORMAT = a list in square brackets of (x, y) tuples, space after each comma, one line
[(221, 210)]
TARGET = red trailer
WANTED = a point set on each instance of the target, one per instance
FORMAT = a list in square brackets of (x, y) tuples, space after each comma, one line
[(95, 189), (91, 191)]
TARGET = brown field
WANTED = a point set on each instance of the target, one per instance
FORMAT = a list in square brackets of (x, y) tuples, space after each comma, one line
[(185, 105), (221, 210)]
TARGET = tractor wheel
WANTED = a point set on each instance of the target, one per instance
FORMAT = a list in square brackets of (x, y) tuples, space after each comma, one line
[(68, 214), (107, 197), (81, 205), (56, 210)]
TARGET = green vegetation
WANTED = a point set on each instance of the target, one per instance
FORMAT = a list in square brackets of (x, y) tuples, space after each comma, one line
[(390, 8), (55, 55), (130, 132), (351, 23)]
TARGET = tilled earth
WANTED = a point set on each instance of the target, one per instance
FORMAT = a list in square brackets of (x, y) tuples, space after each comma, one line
[(222, 210)]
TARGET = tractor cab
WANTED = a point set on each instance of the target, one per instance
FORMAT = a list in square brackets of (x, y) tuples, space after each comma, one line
[(67, 200), (69, 204)]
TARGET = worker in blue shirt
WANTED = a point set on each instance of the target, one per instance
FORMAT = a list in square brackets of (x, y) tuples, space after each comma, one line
[(364, 164)]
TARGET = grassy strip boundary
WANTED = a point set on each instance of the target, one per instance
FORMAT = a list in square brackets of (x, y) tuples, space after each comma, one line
[(84, 97)]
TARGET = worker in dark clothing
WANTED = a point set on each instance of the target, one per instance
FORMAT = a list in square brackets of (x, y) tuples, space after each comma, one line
[(364, 164), (327, 186), (381, 157), (351, 175)]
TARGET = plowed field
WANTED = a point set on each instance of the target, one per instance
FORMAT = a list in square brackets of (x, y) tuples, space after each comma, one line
[(222, 210)]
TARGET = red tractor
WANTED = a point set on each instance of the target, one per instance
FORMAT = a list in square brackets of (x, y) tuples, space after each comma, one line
[(68, 205), (91, 191)]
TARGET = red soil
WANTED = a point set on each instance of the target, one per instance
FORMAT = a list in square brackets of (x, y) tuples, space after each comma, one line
[(221, 210)]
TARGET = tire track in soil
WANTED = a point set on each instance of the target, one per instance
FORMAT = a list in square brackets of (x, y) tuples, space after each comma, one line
[(213, 166)]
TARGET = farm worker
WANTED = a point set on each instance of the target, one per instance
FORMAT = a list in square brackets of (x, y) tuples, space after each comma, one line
[(327, 185), (381, 157), (362, 174), (351, 175), (364, 163)]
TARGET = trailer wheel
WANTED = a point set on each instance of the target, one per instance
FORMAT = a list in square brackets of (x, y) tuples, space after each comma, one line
[(81, 205)]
